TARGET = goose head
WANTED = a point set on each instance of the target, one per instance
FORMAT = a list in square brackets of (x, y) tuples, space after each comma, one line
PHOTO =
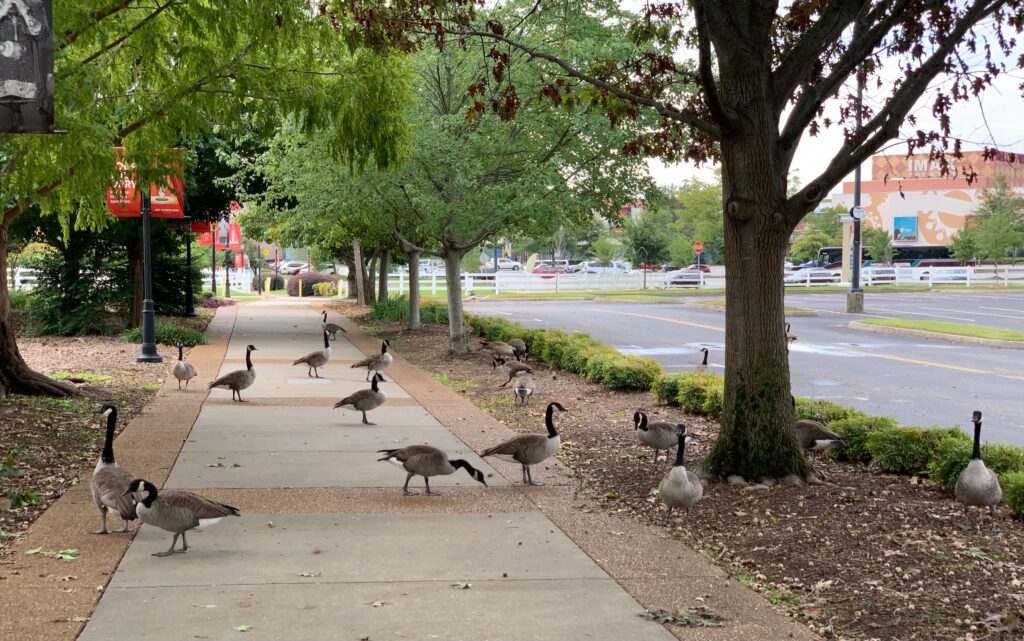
[(107, 410), (251, 348), (639, 421)]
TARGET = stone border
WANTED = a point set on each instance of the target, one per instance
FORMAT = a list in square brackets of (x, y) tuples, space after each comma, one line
[(38, 599), (940, 336), (655, 569)]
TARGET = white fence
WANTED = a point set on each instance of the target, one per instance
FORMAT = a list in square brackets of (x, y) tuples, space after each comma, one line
[(986, 275), (24, 280), (239, 279), (525, 283)]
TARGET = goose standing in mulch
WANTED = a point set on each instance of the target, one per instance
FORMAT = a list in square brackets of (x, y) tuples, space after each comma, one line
[(239, 379), (183, 371), (377, 363), (427, 461), (524, 389), (680, 488), (109, 480), (331, 328), (365, 399), (530, 449), (978, 485), (518, 345), (498, 348), (513, 369), (177, 511), (315, 360), (659, 435)]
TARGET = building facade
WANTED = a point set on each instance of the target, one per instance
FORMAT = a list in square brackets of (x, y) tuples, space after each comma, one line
[(907, 196)]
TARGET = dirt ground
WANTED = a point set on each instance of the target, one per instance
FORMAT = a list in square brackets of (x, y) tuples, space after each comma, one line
[(46, 443), (866, 556)]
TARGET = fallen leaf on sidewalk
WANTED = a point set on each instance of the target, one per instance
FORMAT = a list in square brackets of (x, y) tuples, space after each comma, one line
[(462, 585), (310, 573), (242, 628), (377, 604)]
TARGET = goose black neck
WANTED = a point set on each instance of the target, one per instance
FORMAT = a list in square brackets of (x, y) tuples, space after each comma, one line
[(373, 384), (325, 316), (552, 432), (151, 494), (181, 355), (705, 358), (680, 451), (326, 343), (108, 442), (462, 464), (248, 359), (383, 348), (976, 454), (643, 422)]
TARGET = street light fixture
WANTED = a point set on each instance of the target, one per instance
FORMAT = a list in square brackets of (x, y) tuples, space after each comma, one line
[(148, 354), (855, 297)]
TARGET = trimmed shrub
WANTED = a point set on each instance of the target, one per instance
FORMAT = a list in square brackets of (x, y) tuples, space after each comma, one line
[(1013, 492), (693, 391), (855, 431), (396, 310), (952, 457), (666, 389), (908, 450), (714, 400), (258, 282), (168, 333), (214, 303), (308, 279), (825, 411), (324, 289)]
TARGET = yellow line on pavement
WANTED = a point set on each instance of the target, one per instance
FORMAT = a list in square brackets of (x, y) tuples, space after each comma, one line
[(890, 357), (667, 320)]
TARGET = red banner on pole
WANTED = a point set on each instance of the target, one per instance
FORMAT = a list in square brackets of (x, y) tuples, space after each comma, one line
[(204, 238), (166, 201), (200, 228), (234, 236), (239, 261)]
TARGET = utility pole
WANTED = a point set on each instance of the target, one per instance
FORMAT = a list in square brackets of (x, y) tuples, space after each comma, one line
[(148, 353), (855, 297)]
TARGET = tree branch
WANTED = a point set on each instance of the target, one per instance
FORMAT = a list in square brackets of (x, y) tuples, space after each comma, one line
[(160, 9), (707, 76), (96, 17)]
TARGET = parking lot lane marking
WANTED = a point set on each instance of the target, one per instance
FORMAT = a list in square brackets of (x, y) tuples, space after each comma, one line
[(1004, 309), (958, 368), (903, 311), (666, 320), (977, 313)]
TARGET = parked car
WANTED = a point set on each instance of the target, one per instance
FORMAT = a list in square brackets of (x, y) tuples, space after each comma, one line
[(292, 267), (592, 267), (704, 268), (548, 271), (561, 263), (878, 274), (505, 263), (651, 268), (684, 278), (816, 275)]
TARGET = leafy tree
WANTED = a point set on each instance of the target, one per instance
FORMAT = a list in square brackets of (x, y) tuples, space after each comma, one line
[(605, 249), (646, 238), (697, 208), (766, 74), (998, 231), (149, 76), (878, 244), (964, 245), (805, 248), (827, 221)]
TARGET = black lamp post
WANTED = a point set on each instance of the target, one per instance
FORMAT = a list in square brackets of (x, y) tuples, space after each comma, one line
[(855, 297), (148, 353)]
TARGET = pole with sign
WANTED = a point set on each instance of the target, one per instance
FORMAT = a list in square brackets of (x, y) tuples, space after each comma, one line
[(698, 248), (148, 353)]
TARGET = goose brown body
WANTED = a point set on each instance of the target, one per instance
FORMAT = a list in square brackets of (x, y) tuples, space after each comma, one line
[(177, 511), (109, 480), (680, 488), (316, 360), (377, 363), (240, 379), (658, 435), (182, 370), (331, 328), (530, 449), (365, 399), (977, 485), (427, 461)]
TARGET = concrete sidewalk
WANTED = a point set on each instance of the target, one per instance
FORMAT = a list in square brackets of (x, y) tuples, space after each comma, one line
[(328, 548)]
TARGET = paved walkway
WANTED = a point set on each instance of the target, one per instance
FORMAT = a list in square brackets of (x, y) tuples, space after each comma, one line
[(328, 548)]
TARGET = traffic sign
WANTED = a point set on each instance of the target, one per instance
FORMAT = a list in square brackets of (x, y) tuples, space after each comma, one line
[(698, 247), (857, 213)]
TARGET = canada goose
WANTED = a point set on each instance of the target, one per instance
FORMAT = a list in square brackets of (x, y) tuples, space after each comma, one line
[(239, 379), (109, 480), (813, 436), (513, 369), (365, 399), (703, 367), (660, 435), (377, 363), (680, 487), (427, 461), (183, 371), (530, 449), (524, 389), (331, 328), (316, 360), (978, 485), (790, 336), (177, 511), (519, 346), (498, 348)]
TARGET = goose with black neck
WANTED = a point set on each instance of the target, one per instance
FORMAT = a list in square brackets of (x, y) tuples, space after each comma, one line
[(240, 379), (530, 449), (977, 485), (110, 480)]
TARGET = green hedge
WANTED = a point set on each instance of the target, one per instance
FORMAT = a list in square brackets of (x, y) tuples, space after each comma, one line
[(909, 450), (953, 456), (168, 334), (577, 353), (1013, 492), (396, 310)]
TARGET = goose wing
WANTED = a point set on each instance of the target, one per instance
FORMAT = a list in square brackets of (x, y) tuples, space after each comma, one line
[(201, 508), (230, 379), (190, 372), (331, 327), (370, 362), (421, 459), (809, 432), (310, 357), (352, 399), (516, 445), (660, 435), (110, 484)]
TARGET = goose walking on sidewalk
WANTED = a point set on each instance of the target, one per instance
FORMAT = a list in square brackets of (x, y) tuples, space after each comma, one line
[(110, 480), (177, 511), (315, 360), (365, 399), (377, 363), (183, 371), (331, 328), (239, 379), (427, 461), (530, 449)]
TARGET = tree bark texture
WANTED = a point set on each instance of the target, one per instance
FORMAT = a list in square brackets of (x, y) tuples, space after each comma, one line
[(757, 437), (357, 251), (382, 281), (414, 290), (458, 341), (16, 377)]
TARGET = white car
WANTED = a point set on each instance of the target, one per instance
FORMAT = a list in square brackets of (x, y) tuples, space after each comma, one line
[(815, 275), (684, 278), (505, 263), (591, 267), (872, 274)]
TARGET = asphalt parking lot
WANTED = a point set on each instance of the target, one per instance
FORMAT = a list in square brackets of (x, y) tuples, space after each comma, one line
[(917, 381)]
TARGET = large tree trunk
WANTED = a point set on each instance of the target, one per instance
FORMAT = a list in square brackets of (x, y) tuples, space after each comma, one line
[(382, 281), (16, 377), (757, 435), (458, 342), (414, 290), (360, 281), (370, 273)]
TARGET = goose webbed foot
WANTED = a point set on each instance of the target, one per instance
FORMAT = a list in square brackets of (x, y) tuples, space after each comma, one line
[(409, 492), (126, 529), (668, 517), (103, 531), (426, 481), (966, 526), (170, 550)]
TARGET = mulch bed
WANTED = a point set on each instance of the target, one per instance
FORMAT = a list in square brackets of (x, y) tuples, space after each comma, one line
[(867, 556), (46, 443)]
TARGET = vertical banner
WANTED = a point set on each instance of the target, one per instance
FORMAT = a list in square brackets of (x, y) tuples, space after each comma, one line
[(239, 261), (166, 201), (222, 235), (234, 236), (26, 66)]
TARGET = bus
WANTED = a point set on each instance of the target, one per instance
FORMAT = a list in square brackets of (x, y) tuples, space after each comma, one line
[(905, 255)]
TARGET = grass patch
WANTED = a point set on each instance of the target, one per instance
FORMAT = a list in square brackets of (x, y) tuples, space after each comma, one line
[(451, 383), (88, 377), (958, 329)]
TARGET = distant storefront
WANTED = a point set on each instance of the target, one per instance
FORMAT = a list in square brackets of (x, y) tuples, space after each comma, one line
[(907, 196)]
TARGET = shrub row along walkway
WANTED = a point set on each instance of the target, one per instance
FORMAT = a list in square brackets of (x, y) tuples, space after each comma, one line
[(328, 547)]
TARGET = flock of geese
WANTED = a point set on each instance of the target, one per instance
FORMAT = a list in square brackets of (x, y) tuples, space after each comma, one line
[(115, 489)]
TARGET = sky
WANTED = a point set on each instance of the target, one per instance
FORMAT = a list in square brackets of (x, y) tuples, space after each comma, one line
[(994, 119)]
